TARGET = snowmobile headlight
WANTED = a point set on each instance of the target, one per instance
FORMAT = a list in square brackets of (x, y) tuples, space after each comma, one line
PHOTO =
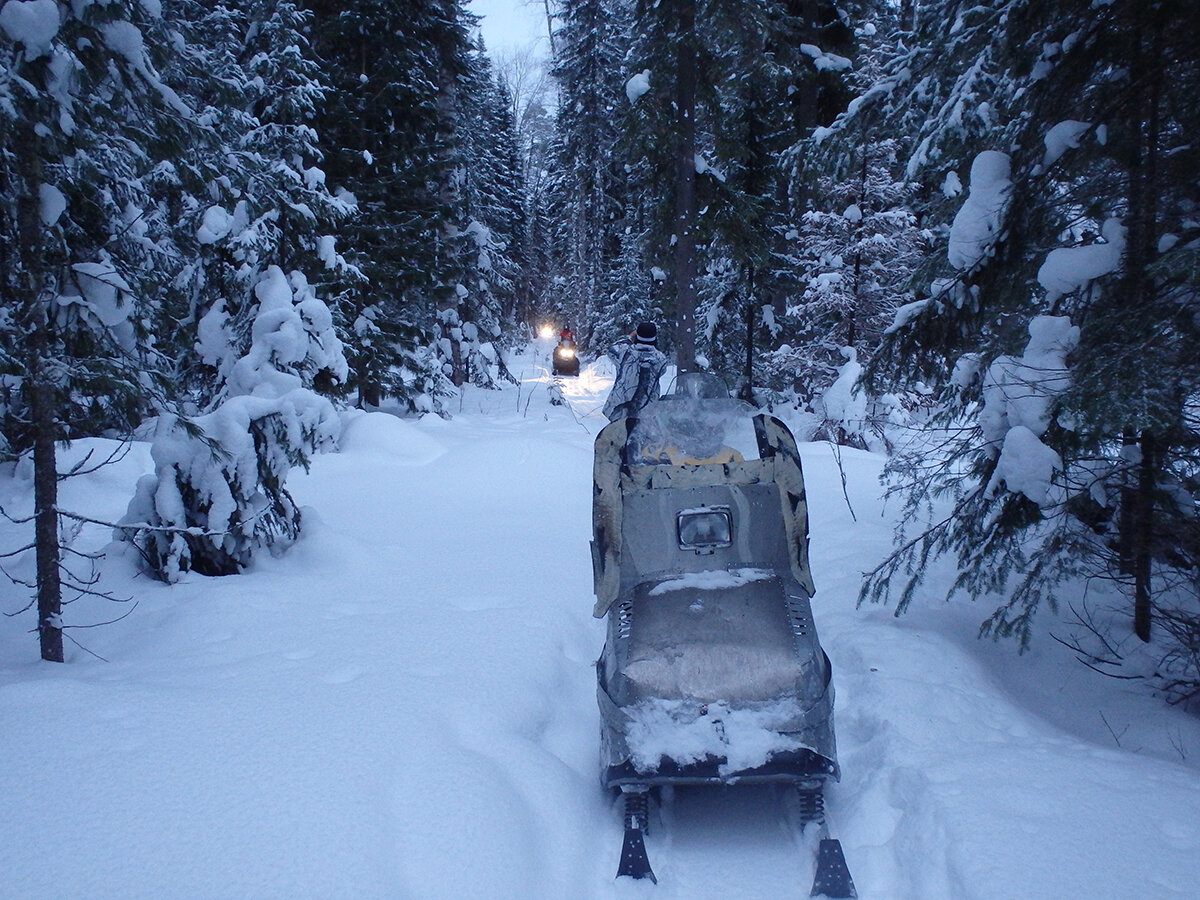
[(705, 529), (547, 331), (566, 352)]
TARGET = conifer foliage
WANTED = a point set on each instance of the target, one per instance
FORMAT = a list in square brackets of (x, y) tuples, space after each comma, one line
[(1060, 132), (81, 105), (203, 215)]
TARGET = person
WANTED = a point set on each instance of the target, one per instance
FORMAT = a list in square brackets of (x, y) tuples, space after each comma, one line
[(640, 365), (566, 337)]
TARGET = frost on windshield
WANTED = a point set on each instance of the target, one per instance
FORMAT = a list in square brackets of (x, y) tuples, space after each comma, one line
[(684, 430)]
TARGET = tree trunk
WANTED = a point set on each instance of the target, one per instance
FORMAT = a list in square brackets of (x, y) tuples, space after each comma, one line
[(747, 391), (40, 394), (1145, 73), (685, 187), (1143, 523)]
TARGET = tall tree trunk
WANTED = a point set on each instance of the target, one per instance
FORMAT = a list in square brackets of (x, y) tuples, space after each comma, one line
[(1143, 524), (747, 391), (1145, 74), (685, 187), (45, 500), (40, 394)]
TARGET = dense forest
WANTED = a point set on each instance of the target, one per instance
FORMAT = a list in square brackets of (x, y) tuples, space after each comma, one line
[(965, 234)]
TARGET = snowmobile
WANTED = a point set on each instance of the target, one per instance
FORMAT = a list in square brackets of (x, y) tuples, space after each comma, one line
[(711, 671), (565, 360)]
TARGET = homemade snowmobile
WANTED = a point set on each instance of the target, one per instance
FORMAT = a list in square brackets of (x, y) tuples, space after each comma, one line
[(711, 672)]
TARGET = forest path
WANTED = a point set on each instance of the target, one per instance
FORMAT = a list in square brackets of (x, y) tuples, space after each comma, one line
[(403, 706)]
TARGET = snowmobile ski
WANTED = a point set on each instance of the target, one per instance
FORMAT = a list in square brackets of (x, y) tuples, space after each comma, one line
[(832, 878), (634, 861)]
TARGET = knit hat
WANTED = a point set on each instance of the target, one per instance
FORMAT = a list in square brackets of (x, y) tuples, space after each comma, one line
[(647, 333)]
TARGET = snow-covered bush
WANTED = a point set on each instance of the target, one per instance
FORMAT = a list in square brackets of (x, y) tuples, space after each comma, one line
[(218, 492)]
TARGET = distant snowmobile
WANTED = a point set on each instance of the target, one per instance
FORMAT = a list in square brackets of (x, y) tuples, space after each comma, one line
[(565, 360), (711, 672)]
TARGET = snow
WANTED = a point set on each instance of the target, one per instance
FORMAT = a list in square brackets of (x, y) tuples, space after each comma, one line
[(823, 61), (51, 204), (1027, 466), (105, 292), (844, 404), (637, 86), (709, 581), (214, 225), (403, 705), (674, 729), (32, 23), (907, 312), (1063, 137), (977, 224), (1067, 269), (1018, 403)]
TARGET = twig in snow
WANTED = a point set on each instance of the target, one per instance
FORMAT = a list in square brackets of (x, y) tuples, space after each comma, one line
[(837, 455)]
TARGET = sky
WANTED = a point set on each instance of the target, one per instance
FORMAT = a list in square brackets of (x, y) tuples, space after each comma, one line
[(510, 25)]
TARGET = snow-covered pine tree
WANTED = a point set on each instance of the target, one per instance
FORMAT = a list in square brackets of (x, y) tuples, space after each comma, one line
[(859, 248), (759, 69), (385, 132), (492, 202), (589, 188), (716, 86), (253, 201), (250, 195), (84, 117), (1083, 218), (631, 294), (218, 494)]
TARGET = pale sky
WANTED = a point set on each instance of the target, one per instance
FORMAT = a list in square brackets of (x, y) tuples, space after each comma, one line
[(511, 24)]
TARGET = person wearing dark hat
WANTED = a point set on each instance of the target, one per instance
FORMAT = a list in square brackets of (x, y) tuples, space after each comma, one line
[(640, 365)]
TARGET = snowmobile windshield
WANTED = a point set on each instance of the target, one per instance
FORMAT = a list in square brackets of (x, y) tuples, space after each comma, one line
[(680, 429)]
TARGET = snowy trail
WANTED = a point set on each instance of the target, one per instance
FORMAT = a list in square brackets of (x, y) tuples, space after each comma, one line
[(403, 706)]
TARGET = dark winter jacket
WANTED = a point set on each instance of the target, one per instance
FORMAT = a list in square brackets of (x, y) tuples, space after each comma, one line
[(639, 368)]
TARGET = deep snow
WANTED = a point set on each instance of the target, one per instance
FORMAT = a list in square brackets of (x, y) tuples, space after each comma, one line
[(403, 706)]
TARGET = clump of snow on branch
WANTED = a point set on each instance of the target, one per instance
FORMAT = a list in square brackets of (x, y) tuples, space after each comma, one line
[(1069, 268), (638, 85), (1063, 137), (978, 222), (1018, 400), (33, 24), (218, 494), (825, 62), (846, 405), (51, 204)]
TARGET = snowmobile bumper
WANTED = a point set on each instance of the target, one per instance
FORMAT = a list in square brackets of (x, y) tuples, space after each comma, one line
[(787, 766)]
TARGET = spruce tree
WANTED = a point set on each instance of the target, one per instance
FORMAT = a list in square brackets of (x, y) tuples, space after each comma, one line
[(1076, 213), (386, 132), (591, 200), (84, 117)]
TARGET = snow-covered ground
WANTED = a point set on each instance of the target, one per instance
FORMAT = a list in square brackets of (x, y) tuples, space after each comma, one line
[(403, 706)]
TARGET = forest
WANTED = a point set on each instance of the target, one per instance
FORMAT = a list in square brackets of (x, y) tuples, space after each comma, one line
[(962, 234)]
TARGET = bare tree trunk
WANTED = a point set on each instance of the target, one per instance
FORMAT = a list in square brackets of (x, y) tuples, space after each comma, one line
[(549, 26), (1143, 524), (747, 390), (39, 392), (1145, 74), (685, 187), (45, 500)]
